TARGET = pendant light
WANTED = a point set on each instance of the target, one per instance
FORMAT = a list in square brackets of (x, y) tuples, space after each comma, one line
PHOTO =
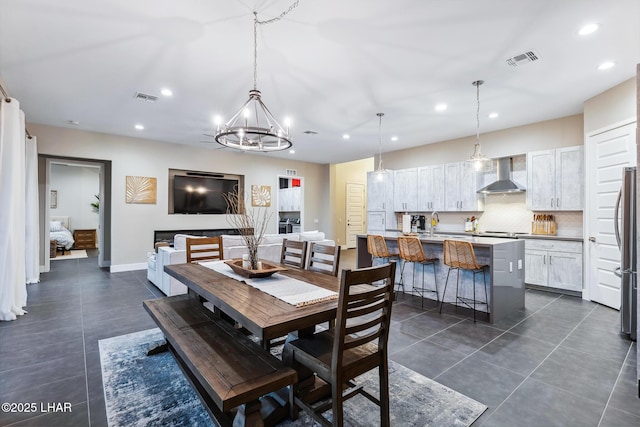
[(477, 157), (379, 169), (253, 127)]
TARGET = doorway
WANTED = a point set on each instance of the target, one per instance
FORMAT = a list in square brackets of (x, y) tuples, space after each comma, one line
[(75, 201), (290, 204), (608, 151)]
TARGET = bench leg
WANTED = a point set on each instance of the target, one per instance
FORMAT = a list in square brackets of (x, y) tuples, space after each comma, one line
[(248, 415)]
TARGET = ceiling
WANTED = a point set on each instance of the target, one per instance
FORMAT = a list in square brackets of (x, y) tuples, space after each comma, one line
[(328, 65)]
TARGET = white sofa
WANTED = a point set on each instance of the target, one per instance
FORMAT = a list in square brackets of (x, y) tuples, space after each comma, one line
[(233, 247)]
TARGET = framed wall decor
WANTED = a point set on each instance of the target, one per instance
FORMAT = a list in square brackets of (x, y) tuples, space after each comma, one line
[(54, 199), (141, 190), (261, 195)]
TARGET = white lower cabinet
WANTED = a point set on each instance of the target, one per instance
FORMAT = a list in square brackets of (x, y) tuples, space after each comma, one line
[(553, 263)]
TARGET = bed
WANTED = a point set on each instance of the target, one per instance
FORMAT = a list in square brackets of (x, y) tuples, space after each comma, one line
[(59, 231)]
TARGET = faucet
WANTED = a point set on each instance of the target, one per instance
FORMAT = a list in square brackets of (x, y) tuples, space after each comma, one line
[(434, 220)]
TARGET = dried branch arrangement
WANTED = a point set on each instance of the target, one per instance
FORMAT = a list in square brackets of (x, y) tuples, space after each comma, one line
[(251, 223)]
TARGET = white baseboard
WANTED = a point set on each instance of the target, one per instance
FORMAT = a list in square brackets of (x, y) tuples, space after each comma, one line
[(128, 267)]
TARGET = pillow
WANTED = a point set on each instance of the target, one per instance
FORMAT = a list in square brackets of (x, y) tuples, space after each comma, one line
[(56, 226), (180, 241), (311, 236)]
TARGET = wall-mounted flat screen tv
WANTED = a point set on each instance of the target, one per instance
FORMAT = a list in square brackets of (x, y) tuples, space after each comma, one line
[(201, 194)]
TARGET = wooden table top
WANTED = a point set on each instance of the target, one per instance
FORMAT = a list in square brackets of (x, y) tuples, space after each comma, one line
[(264, 315)]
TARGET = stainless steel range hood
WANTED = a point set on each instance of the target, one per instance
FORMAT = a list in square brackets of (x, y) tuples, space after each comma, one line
[(504, 183)]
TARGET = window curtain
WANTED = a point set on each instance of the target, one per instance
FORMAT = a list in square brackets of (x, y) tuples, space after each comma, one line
[(32, 217), (13, 288)]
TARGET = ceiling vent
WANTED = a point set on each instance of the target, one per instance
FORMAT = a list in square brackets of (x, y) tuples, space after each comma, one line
[(145, 97), (523, 59)]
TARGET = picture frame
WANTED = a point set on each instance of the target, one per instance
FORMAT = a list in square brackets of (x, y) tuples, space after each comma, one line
[(261, 195), (141, 190), (54, 199)]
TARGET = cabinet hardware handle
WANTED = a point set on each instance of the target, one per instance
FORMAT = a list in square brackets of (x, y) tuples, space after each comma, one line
[(544, 259), (552, 202), (550, 259), (592, 239), (557, 202)]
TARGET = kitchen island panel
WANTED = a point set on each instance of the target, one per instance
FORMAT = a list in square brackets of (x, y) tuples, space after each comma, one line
[(505, 274)]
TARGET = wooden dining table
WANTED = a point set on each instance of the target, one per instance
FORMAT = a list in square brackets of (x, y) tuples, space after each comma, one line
[(265, 316)]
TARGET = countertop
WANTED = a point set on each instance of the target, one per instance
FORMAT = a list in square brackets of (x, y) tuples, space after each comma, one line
[(518, 236)]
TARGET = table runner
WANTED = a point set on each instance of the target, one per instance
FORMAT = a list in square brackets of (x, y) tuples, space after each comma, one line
[(292, 291)]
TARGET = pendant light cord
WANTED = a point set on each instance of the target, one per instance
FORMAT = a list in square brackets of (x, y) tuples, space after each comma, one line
[(478, 83), (380, 141), (256, 22)]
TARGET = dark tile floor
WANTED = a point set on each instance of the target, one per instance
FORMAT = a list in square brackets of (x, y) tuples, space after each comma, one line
[(559, 362)]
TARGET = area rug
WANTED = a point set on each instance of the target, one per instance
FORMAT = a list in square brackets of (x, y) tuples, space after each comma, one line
[(143, 390), (73, 254)]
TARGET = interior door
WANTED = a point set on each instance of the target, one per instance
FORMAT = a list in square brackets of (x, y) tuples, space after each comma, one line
[(607, 153), (355, 213)]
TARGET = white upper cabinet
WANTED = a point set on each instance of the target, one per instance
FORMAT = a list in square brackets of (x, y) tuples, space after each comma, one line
[(379, 191), (380, 215), (405, 190), (461, 186), (431, 188), (555, 179)]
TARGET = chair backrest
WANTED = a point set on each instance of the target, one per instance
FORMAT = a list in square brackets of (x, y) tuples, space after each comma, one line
[(460, 254), (294, 253), (377, 246), (204, 248), (410, 249), (324, 259), (364, 312)]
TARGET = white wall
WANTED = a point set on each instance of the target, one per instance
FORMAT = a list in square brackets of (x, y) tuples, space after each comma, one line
[(76, 187), (133, 224)]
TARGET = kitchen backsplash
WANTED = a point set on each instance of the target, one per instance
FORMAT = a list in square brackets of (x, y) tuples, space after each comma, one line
[(508, 212)]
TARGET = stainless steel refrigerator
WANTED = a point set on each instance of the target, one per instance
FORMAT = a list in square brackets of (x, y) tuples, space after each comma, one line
[(625, 228)]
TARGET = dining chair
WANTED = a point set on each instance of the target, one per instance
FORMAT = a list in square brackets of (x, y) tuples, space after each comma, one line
[(294, 253), (324, 258), (204, 248), (357, 345), (411, 251), (459, 255)]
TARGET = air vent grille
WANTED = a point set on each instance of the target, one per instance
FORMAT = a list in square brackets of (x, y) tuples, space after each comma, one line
[(145, 97), (523, 58)]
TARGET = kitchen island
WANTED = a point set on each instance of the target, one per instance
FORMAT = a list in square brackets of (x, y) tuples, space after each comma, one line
[(505, 275)]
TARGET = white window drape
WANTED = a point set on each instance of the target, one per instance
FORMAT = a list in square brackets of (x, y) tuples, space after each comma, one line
[(13, 289), (32, 214)]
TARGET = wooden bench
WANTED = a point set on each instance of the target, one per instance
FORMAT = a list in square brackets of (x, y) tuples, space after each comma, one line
[(225, 367)]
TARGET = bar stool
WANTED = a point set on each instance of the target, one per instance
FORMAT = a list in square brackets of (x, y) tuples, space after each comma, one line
[(411, 251), (459, 255), (377, 248)]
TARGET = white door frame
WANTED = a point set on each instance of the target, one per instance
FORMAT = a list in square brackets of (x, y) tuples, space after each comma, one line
[(590, 164)]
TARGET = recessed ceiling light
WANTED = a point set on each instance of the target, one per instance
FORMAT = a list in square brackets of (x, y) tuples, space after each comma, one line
[(606, 65), (346, 136), (139, 127), (441, 107), (166, 92), (493, 115), (292, 151), (394, 138), (588, 29)]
